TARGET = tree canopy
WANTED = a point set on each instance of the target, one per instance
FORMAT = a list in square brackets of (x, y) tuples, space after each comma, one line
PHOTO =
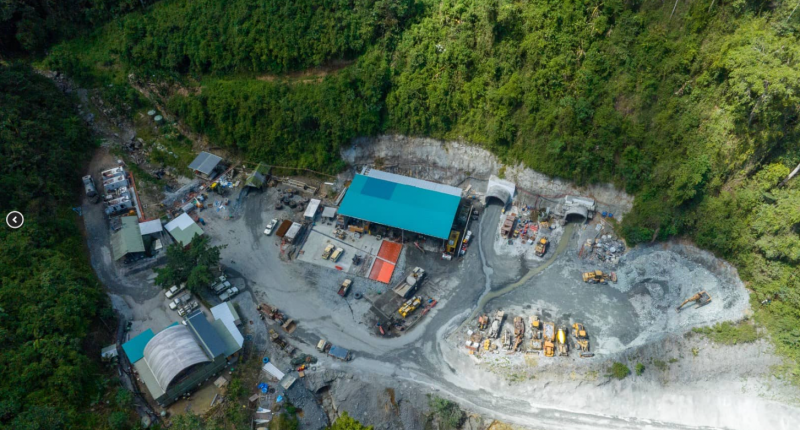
[(194, 264)]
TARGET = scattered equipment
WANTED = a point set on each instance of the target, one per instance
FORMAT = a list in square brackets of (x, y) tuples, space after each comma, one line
[(701, 299), (598, 277)]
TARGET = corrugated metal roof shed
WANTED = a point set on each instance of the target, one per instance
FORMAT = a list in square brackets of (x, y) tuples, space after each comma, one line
[(414, 182), (134, 348), (329, 212), (428, 209), (313, 207), (208, 336), (183, 228), (128, 239), (172, 351), (150, 227), (205, 163)]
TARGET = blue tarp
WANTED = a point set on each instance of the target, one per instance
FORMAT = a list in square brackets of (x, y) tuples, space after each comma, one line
[(401, 206)]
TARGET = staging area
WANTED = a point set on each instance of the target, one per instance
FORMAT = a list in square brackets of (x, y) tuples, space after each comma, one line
[(503, 268)]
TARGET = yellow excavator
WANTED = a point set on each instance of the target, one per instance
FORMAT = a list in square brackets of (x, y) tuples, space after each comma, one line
[(410, 306), (598, 277), (701, 299), (541, 247)]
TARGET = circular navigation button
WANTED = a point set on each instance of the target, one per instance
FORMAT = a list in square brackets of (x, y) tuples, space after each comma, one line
[(15, 219)]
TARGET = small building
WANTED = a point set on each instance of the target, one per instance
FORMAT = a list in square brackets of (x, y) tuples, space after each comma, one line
[(181, 357), (311, 210), (127, 241), (205, 165), (401, 202), (150, 227), (258, 177), (329, 213), (183, 229), (295, 230)]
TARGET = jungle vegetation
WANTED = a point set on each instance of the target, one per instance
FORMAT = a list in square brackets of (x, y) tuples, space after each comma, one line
[(691, 106)]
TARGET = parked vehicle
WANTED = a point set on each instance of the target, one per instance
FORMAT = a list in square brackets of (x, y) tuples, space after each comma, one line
[(91, 190), (345, 288), (337, 254), (187, 308), (326, 253), (175, 289), (227, 295), (222, 286), (339, 353), (407, 286), (270, 227), (180, 301)]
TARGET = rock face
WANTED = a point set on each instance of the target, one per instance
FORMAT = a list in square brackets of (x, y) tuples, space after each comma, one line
[(453, 162)]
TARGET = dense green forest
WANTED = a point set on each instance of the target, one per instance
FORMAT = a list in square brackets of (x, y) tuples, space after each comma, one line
[(51, 304), (692, 106)]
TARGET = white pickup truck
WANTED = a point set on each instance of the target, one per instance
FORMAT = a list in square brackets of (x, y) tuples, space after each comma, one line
[(227, 295), (175, 289)]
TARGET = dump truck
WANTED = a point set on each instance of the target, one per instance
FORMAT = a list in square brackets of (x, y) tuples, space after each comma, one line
[(549, 336), (337, 254), (326, 253), (701, 299), (598, 277), (561, 344), (519, 332), (227, 295), (345, 288), (410, 284), (497, 323), (322, 345), (541, 247), (409, 306)]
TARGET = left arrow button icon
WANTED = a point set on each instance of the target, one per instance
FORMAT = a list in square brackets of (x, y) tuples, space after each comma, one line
[(15, 219)]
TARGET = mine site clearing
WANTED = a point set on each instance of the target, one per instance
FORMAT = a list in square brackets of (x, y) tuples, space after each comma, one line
[(368, 265)]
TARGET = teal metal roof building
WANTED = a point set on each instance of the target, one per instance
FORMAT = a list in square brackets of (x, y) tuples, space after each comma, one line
[(399, 201)]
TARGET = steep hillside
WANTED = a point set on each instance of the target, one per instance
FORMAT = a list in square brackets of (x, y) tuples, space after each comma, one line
[(692, 106)]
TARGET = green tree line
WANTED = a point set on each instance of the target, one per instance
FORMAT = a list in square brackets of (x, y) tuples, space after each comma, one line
[(49, 297)]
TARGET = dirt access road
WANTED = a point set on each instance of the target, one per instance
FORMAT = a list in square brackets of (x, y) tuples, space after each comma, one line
[(427, 358)]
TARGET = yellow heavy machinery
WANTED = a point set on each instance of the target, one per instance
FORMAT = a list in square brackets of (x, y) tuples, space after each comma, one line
[(483, 322), (541, 247), (562, 345), (581, 338), (701, 299), (549, 335), (452, 242), (410, 306), (519, 332), (598, 277)]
